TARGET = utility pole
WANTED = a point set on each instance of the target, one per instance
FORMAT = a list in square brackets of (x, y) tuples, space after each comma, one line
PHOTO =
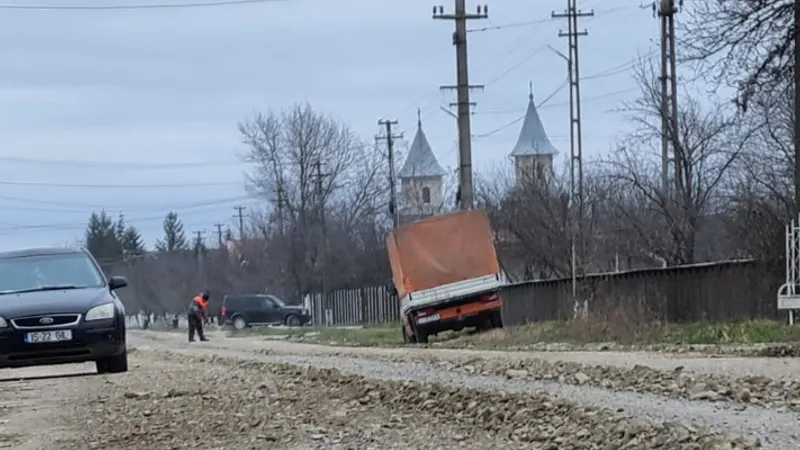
[(198, 245), (240, 215), (323, 229), (390, 155), (575, 139), (281, 200), (796, 110), (219, 233), (665, 11), (463, 87)]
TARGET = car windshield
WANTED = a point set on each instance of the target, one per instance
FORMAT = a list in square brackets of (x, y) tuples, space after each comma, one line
[(278, 301), (42, 272)]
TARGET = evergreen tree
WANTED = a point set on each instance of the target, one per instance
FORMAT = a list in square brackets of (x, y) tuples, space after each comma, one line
[(132, 242), (174, 236), (101, 238)]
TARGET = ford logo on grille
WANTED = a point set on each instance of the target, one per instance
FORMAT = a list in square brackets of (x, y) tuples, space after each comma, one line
[(46, 320)]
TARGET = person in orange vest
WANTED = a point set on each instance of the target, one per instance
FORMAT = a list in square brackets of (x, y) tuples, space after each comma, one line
[(197, 313)]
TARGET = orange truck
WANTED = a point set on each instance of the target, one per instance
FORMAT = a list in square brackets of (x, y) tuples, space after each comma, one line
[(446, 274)]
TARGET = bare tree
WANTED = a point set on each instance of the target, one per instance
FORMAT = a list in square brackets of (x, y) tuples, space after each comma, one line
[(319, 178), (708, 141), (762, 199), (745, 44)]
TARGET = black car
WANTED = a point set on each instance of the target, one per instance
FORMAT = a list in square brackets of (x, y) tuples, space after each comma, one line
[(57, 307), (243, 311)]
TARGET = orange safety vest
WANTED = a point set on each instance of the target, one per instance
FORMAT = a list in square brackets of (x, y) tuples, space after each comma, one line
[(202, 303)]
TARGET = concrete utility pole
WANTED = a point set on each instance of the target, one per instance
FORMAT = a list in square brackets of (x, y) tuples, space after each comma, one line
[(796, 109), (575, 140), (219, 233), (240, 215), (323, 230), (665, 11), (462, 85), (390, 156)]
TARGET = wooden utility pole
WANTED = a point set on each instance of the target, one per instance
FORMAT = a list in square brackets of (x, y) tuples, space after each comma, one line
[(390, 137), (462, 85), (575, 139), (219, 233), (240, 215), (665, 11)]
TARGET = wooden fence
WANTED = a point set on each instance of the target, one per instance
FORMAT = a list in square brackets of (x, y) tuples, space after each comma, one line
[(713, 291)]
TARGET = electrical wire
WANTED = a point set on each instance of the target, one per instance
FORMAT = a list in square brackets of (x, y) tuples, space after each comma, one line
[(117, 164), (135, 7), (132, 220), (540, 105), (92, 207), (119, 186)]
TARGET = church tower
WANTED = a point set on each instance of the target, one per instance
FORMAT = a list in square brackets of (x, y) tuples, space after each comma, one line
[(421, 180), (533, 155)]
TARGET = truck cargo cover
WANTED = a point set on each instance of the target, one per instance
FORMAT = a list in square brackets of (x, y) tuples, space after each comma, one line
[(441, 250)]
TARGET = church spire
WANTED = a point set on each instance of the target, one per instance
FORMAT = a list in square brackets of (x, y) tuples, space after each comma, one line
[(419, 118)]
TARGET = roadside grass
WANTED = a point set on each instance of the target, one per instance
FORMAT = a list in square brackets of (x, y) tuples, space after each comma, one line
[(571, 332), (589, 332)]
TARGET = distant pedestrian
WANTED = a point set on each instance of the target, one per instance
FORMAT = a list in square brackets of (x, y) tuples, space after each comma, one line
[(197, 315)]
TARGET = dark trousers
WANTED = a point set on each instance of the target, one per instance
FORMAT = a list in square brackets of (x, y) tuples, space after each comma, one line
[(195, 324)]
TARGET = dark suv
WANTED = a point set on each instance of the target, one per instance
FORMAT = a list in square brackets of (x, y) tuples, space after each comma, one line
[(243, 311), (57, 307)]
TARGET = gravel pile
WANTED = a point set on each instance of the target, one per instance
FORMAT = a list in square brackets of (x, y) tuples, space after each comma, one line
[(177, 402), (676, 383), (771, 350), (752, 390), (525, 420)]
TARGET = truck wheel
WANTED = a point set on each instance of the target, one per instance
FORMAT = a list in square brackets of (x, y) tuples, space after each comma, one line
[(421, 336), (408, 339), (496, 319)]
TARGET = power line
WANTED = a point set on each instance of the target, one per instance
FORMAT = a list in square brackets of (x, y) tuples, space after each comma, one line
[(121, 164), (118, 186), (134, 7), (137, 206), (90, 208), (82, 224), (542, 103)]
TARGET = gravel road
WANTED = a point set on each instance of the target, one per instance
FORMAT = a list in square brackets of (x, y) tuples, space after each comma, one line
[(775, 428), (237, 393)]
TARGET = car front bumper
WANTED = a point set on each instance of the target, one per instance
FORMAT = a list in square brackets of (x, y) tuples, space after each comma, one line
[(89, 343)]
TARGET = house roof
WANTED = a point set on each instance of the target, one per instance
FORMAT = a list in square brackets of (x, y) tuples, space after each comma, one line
[(421, 161), (533, 140)]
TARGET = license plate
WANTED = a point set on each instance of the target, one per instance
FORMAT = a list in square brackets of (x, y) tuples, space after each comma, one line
[(48, 336), (427, 319)]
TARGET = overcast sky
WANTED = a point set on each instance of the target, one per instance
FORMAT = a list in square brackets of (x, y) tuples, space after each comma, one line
[(119, 97)]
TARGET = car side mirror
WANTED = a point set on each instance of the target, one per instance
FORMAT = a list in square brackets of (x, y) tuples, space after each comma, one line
[(115, 283)]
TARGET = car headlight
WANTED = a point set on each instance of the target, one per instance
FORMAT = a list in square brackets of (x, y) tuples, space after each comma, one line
[(105, 311), (3, 323)]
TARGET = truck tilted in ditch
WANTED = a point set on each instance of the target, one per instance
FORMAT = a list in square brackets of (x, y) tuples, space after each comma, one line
[(446, 274)]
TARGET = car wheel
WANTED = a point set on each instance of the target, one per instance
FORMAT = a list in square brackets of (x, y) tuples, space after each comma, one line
[(292, 321), (114, 364), (239, 323)]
